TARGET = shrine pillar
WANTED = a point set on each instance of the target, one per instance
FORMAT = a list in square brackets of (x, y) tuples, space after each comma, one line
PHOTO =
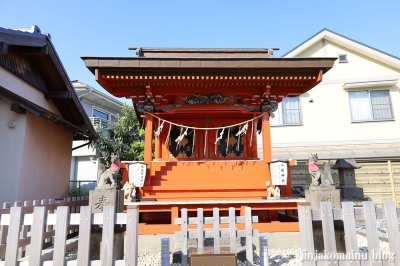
[(266, 138), (148, 137), (157, 147)]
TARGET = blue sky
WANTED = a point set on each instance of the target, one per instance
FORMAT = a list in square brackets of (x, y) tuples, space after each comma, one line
[(108, 28)]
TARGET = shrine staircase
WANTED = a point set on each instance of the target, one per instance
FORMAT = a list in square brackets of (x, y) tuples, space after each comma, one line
[(206, 180)]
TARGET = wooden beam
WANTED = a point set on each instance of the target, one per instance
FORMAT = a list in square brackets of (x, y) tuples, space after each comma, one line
[(98, 77), (82, 126), (16, 107), (58, 95), (319, 77), (3, 48), (150, 229), (44, 50), (21, 39)]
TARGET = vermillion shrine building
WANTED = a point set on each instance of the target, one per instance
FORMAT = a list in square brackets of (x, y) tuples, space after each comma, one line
[(203, 109)]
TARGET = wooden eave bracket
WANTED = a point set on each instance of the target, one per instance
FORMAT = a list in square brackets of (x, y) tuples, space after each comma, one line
[(58, 95), (16, 107), (3, 48), (149, 94), (44, 50), (21, 108), (267, 91)]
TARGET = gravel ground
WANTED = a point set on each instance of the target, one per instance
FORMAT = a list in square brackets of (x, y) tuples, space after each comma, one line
[(290, 257), (380, 226), (276, 257)]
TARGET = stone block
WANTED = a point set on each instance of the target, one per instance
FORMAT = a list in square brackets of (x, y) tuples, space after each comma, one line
[(352, 193), (317, 195), (98, 198), (96, 242), (347, 177), (319, 238)]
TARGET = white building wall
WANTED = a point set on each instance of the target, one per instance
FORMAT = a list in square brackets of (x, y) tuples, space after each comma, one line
[(85, 168), (83, 151), (315, 50), (358, 64), (84, 161), (87, 107), (11, 150), (328, 117), (72, 172)]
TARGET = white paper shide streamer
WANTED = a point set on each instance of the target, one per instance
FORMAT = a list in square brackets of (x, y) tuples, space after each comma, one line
[(243, 127), (182, 135), (160, 127)]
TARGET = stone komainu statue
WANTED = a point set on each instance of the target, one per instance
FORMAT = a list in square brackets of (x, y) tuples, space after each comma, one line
[(319, 177), (107, 178)]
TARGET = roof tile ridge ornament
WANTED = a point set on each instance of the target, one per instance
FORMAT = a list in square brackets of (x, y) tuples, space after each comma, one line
[(213, 52), (33, 29)]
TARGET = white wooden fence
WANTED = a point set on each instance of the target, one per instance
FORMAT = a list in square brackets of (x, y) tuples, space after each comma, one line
[(25, 233), (61, 220), (216, 232), (349, 214)]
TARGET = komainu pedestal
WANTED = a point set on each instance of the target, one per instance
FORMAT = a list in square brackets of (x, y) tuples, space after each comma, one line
[(316, 195), (100, 197)]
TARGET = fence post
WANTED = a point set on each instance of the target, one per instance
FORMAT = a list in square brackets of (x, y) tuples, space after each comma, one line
[(38, 224), (13, 239), (392, 184), (184, 237), (165, 252), (249, 236), (84, 235), (264, 260), (107, 245), (200, 231), (24, 233), (217, 232), (132, 235), (62, 220), (232, 229), (4, 230)]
